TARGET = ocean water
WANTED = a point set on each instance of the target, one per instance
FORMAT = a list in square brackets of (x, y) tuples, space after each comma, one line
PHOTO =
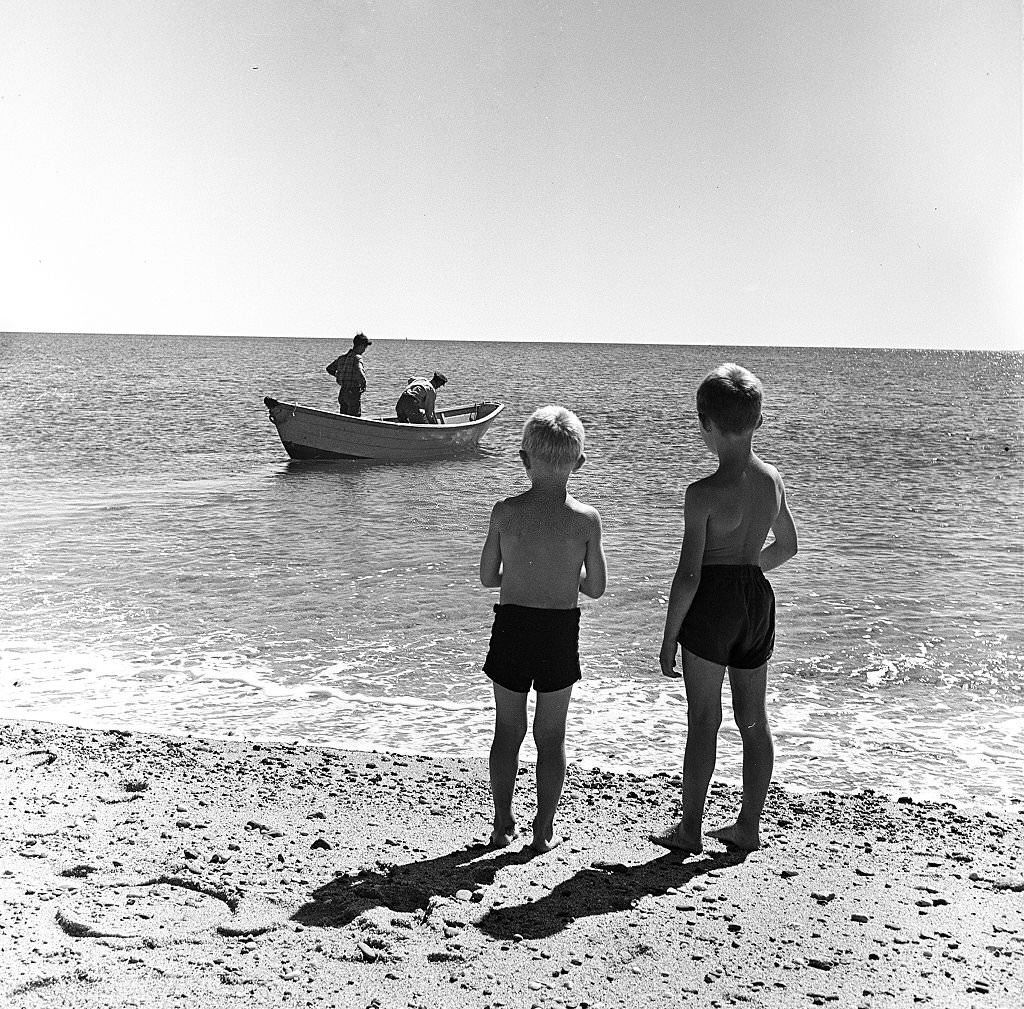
[(165, 566)]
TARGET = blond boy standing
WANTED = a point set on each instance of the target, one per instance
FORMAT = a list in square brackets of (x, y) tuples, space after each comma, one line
[(543, 548), (721, 608)]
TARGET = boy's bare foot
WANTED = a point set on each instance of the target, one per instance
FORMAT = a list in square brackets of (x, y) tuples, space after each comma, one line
[(674, 839), (501, 838), (738, 838), (542, 845)]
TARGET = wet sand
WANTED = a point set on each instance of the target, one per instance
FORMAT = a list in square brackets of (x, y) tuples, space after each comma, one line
[(147, 870)]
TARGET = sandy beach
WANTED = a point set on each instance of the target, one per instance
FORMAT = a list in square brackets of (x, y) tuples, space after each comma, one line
[(145, 870)]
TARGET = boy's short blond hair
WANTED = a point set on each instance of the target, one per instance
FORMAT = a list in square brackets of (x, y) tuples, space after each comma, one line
[(554, 435), (731, 396)]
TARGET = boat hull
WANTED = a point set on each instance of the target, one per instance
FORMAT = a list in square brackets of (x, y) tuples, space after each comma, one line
[(316, 434)]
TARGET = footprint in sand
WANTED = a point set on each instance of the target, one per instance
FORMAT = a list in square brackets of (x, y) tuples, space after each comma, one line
[(139, 911), (163, 909), (29, 760)]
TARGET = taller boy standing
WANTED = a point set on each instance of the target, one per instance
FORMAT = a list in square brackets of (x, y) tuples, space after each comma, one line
[(543, 548), (721, 608)]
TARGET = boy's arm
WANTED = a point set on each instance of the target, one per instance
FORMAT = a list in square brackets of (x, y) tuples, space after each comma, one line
[(687, 578), (490, 556), (595, 577), (784, 545)]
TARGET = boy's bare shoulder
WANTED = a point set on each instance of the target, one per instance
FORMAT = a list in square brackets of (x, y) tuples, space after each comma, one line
[(585, 511), (768, 471), (704, 489), (514, 512), (527, 509), (508, 506), (715, 487), (756, 466), (766, 467)]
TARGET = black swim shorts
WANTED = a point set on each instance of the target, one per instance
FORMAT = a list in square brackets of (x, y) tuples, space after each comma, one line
[(732, 618), (531, 646)]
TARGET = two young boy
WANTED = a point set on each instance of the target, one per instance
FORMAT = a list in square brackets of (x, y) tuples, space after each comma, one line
[(543, 547)]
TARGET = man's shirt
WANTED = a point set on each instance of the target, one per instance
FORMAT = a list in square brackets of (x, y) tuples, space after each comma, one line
[(423, 391), (350, 375)]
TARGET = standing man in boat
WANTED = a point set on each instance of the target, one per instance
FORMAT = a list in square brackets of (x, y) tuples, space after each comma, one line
[(416, 404), (351, 378)]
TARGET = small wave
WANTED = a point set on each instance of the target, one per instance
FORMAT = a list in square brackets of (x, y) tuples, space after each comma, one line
[(832, 731)]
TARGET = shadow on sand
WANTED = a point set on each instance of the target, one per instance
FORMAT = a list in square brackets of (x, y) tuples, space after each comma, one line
[(602, 889), (406, 887)]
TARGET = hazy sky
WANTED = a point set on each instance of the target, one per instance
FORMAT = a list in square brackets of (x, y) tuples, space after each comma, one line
[(726, 171)]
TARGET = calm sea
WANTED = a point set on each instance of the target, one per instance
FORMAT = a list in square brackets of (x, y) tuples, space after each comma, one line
[(165, 566)]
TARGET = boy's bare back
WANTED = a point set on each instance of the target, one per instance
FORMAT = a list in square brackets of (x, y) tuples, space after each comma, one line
[(543, 541), (739, 505)]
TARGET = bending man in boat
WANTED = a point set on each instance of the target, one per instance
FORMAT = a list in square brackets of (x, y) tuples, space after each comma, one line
[(416, 404)]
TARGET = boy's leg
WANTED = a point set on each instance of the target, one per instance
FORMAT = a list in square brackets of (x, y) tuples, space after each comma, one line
[(509, 732), (549, 735), (749, 687), (703, 681)]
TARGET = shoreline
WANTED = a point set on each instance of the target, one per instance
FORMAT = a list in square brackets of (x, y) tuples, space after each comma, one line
[(139, 867), (729, 753)]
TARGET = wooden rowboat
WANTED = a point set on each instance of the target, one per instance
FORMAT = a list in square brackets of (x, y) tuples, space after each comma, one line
[(317, 434)]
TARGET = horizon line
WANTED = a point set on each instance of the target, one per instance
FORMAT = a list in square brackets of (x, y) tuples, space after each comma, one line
[(470, 339)]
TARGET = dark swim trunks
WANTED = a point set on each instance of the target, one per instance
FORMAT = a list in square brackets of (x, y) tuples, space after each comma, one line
[(531, 646), (732, 618)]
